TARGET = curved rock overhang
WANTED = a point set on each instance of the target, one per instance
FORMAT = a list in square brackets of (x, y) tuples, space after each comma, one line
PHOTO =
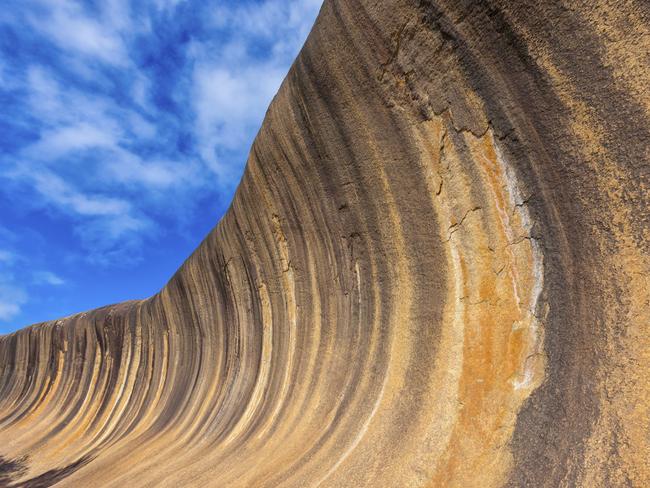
[(434, 272)]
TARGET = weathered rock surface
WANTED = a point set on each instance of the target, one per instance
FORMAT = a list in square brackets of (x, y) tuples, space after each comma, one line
[(435, 272)]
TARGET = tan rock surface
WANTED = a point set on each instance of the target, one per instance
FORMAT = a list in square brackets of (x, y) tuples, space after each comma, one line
[(435, 272)]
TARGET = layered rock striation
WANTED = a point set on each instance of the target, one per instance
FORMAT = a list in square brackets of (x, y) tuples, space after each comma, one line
[(434, 272)]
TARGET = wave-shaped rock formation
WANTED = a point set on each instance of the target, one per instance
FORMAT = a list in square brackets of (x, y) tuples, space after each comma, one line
[(434, 272)]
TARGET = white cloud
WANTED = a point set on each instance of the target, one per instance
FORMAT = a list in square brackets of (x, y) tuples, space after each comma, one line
[(117, 239), (55, 190), (233, 88), (11, 301), (140, 88), (44, 92), (128, 169), (68, 26), (48, 278), (56, 105), (96, 124), (118, 16), (106, 225), (228, 105), (271, 19), (12, 296), (233, 81), (58, 142)]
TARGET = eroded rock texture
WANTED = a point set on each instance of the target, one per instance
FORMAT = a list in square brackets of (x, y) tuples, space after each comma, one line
[(434, 273)]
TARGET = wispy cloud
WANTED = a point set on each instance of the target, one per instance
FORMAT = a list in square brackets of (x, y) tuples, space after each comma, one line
[(18, 281), (69, 27), (232, 84), (226, 103), (11, 300), (48, 278), (58, 142)]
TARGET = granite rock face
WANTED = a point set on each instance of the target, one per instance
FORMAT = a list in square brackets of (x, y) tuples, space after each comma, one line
[(435, 272)]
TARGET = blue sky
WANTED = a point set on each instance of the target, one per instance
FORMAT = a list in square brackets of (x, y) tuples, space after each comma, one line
[(124, 130)]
